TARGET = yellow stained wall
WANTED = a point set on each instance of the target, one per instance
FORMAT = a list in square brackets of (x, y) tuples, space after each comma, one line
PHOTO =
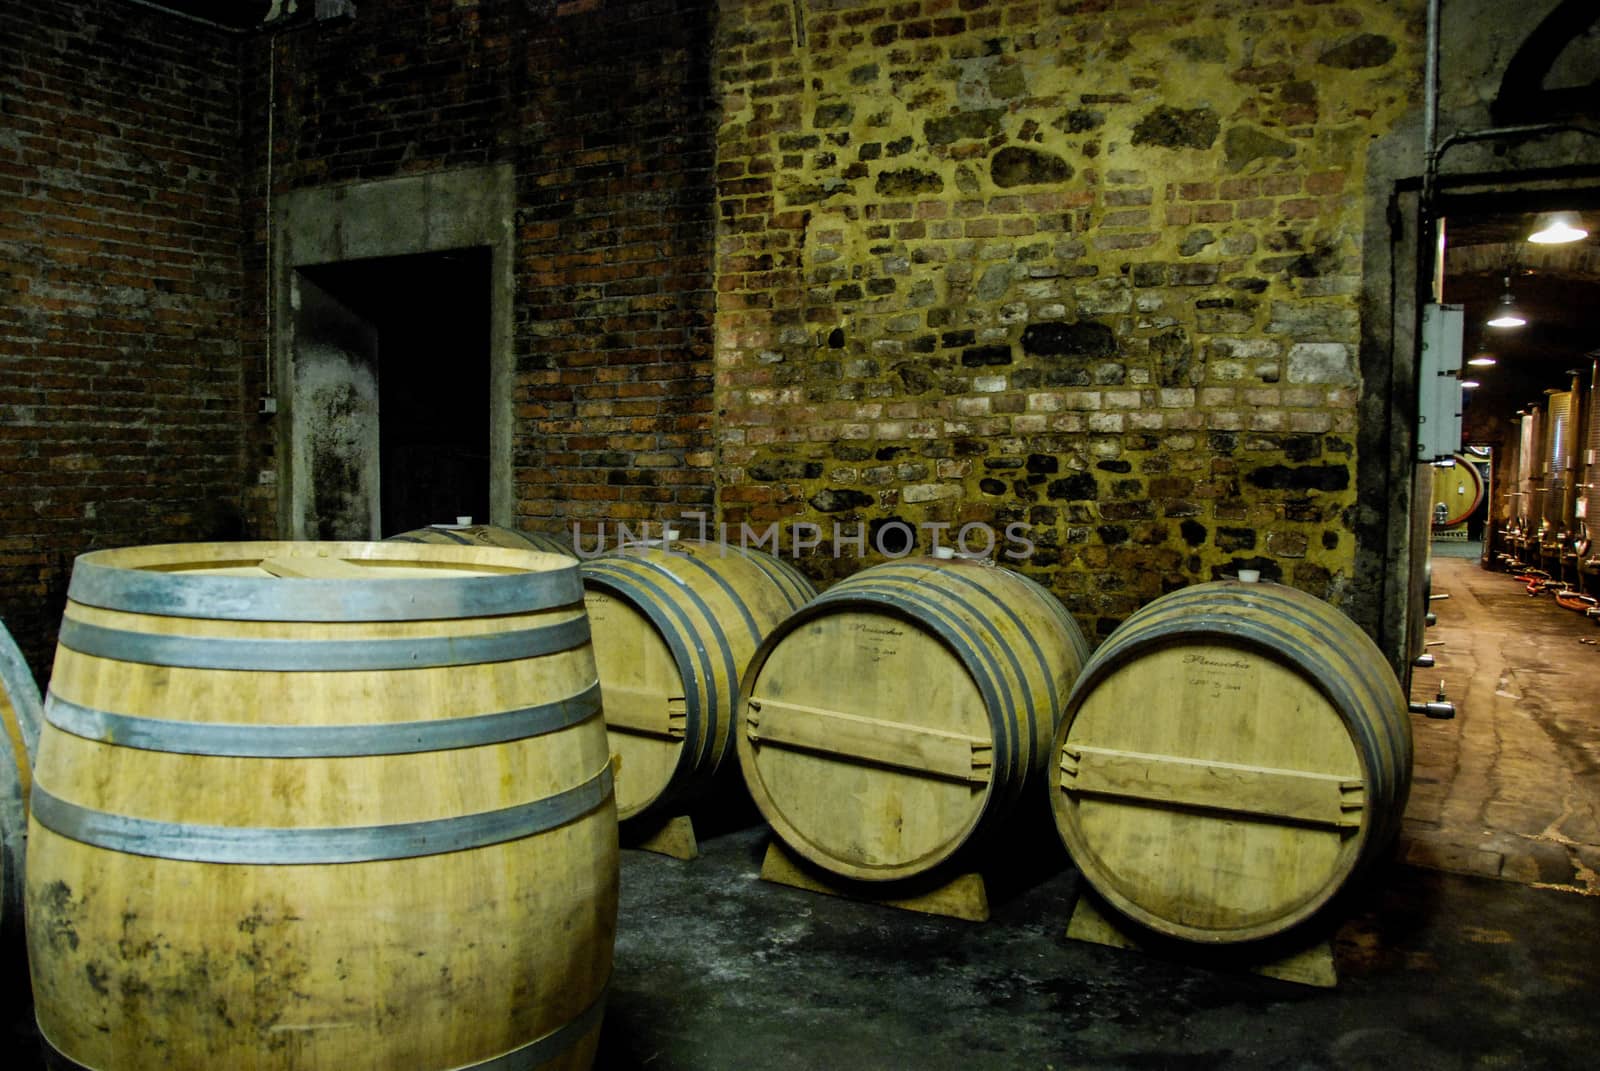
[(1091, 268)]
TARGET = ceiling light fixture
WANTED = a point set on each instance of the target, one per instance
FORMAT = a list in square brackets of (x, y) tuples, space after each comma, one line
[(1468, 384), (1484, 359), (1558, 227), (1506, 314)]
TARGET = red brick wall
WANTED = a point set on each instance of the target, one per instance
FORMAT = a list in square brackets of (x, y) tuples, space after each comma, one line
[(616, 243), (605, 111), (120, 394)]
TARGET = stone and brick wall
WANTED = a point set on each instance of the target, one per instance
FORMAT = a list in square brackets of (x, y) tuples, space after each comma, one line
[(121, 414), (1089, 267)]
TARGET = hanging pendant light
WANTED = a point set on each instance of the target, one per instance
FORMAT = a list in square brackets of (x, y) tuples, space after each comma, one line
[(1556, 228), (1506, 314)]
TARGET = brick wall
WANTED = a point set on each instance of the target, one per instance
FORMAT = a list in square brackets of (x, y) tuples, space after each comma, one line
[(616, 239), (120, 399), (606, 112), (1088, 267), (409, 86)]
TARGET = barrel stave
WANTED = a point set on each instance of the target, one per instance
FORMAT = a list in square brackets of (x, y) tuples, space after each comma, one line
[(675, 625), (901, 716)]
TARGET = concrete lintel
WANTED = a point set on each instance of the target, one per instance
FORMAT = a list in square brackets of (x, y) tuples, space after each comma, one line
[(397, 217)]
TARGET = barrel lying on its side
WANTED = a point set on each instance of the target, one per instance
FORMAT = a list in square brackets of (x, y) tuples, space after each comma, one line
[(20, 715), (675, 626), (322, 805), (485, 535), (898, 717), (1231, 757)]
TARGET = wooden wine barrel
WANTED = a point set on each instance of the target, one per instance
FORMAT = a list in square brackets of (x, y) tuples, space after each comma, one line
[(322, 805), (13, 836), (485, 535), (1230, 758), (21, 710), (900, 715), (20, 714), (1459, 486), (674, 629)]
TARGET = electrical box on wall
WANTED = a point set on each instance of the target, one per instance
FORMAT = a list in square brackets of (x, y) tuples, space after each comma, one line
[(1439, 383)]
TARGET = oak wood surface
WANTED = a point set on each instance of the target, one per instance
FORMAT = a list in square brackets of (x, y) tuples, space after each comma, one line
[(903, 711), (142, 959), (674, 628), (1229, 759)]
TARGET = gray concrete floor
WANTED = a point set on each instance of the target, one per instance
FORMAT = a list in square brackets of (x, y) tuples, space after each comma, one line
[(717, 970), (1510, 788)]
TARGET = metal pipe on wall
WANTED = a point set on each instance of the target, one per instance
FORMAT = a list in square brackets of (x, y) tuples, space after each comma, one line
[(1430, 91)]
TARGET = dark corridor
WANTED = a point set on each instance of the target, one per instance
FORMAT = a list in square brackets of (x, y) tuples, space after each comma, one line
[(431, 315)]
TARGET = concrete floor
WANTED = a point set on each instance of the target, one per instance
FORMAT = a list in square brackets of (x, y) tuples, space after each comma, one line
[(719, 970), (1477, 947), (1511, 787)]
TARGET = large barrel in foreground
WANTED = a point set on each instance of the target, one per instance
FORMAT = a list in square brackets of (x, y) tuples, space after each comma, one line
[(322, 805), (675, 626), (899, 717), (1231, 757), (20, 715)]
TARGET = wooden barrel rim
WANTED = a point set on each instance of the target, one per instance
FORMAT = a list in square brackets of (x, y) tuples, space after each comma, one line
[(1051, 603), (130, 579)]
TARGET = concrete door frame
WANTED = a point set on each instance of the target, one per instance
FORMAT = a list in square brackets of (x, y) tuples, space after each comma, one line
[(386, 218)]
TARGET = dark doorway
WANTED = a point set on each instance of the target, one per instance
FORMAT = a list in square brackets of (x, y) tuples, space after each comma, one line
[(431, 315)]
